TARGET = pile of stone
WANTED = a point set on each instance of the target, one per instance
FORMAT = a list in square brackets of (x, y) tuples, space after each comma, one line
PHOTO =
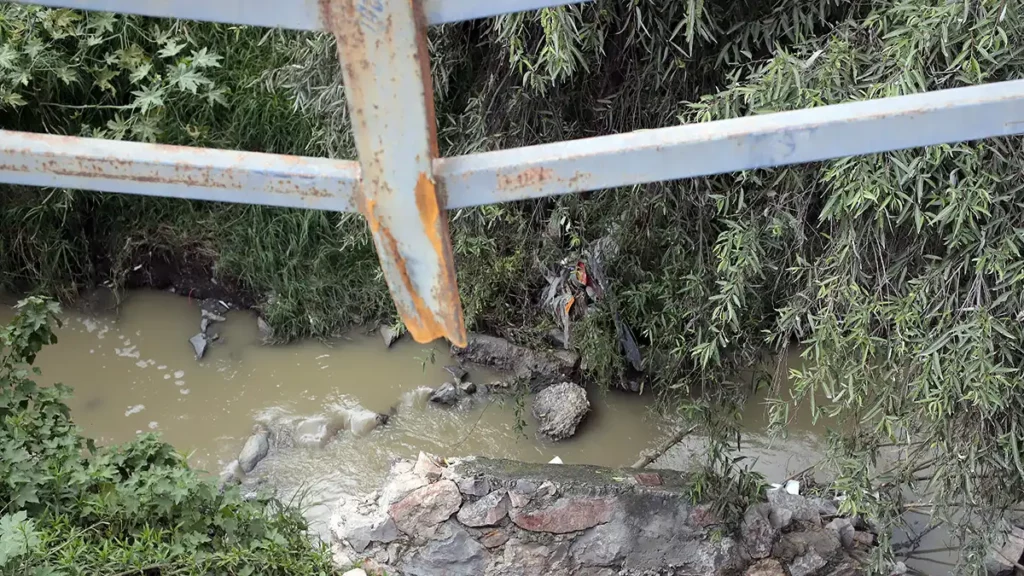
[(503, 518)]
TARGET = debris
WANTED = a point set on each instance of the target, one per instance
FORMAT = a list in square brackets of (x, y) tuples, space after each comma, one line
[(213, 317)]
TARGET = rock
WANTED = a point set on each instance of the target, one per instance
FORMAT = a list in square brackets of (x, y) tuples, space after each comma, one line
[(565, 515), (456, 555), (487, 511), (212, 316), (231, 474), (362, 421), (424, 508), (844, 530), (457, 372), (474, 486), (359, 531), (766, 567), (559, 409), (355, 572), (313, 432), (494, 538), (204, 324), (540, 368), (603, 545), (266, 330), (426, 467), (199, 343), (780, 518), (518, 499), (757, 532), (792, 545), (802, 509), (254, 450), (807, 565), (468, 388), (826, 507), (520, 558), (400, 486), (865, 539), (389, 335), (447, 394), (898, 569)]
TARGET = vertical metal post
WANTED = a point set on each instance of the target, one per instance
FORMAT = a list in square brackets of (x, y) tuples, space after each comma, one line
[(382, 45)]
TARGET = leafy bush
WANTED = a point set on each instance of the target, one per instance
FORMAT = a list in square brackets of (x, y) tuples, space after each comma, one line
[(68, 507)]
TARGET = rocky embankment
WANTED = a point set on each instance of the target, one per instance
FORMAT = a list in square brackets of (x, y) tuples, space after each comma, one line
[(501, 518)]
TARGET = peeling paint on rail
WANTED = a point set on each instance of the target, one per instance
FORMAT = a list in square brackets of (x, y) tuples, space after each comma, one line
[(177, 171)]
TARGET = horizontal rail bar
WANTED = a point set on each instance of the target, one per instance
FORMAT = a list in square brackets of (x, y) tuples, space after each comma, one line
[(746, 143), (291, 14), (177, 171), (686, 151)]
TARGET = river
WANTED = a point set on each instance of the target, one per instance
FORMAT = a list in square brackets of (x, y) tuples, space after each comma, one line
[(134, 371)]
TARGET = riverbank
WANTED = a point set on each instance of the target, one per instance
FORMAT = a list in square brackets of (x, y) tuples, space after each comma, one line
[(480, 517)]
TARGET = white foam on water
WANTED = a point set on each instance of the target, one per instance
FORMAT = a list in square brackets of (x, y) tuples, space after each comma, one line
[(153, 425), (161, 367), (179, 373), (134, 409), (141, 364), (129, 352), (179, 382), (167, 376), (184, 391)]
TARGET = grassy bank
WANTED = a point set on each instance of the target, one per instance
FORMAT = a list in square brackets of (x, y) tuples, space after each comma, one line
[(900, 272)]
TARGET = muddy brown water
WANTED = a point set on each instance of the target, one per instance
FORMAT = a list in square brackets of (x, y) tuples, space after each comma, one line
[(133, 371)]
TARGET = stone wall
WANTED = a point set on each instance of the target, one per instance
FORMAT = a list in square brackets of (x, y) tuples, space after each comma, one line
[(501, 518)]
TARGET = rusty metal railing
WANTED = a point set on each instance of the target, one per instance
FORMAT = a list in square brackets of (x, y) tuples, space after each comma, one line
[(401, 186)]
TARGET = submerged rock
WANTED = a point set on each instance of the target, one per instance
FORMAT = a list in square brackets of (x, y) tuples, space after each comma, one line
[(254, 450), (559, 410), (266, 330), (447, 394), (389, 335), (314, 432), (199, 343), (457, 372)]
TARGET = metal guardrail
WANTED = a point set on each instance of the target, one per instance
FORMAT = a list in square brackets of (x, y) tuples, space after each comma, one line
[(403, 188)]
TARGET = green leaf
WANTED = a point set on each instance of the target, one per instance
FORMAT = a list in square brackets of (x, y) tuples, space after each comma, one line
[(187, 78), (216, 96), (171, 48), (203, 59), (140, 73), (18, 536), (149, 98), (8, 56)]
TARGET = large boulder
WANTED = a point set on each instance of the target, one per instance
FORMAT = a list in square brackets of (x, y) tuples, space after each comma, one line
[(540, 368), (559, 409), (255, 449)]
